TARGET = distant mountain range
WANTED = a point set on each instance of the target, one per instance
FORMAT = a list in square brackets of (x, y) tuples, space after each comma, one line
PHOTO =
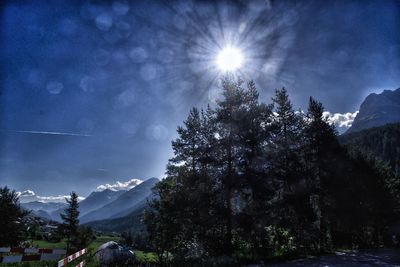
[(376, 128), (377, 110), (42, 214), (131, 222), (45, 206), (124, 204), (99, 205), (94, 201), (43, 209)]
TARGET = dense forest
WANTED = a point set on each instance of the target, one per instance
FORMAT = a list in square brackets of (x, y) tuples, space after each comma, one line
[(250, 181), (382, 143)]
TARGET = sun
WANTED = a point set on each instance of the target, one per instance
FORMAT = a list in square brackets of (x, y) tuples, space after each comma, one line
[(229, 59)]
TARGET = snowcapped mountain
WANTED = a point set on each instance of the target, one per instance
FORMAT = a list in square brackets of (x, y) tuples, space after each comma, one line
[(95, 200), (124, 202), (98, 199), (103, 195)]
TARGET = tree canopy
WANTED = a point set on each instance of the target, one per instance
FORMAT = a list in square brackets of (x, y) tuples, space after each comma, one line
[(251, 180), (70, 219), (12, 227)]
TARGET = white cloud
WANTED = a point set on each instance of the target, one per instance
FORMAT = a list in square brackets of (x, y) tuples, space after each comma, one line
[(120, 185), (29, 195), (340, 120), (58, 198), (26, 193)]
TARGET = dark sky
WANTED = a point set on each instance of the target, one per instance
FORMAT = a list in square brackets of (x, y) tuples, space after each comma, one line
[(92, 92)]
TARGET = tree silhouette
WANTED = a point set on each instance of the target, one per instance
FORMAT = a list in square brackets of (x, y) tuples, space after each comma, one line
[(70, 220), (251, 180), (12, 215)]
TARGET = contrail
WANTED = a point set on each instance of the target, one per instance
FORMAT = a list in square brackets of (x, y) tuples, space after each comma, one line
[(52, 133)]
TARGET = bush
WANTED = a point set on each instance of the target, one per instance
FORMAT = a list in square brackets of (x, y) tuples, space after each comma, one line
[(279, 241)]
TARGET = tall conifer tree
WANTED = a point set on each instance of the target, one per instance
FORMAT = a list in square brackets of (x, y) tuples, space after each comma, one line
[(70, 219)]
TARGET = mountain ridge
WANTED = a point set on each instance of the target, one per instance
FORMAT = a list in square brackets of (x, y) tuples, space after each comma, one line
[(124, 202), (44, 206), (377, 110), (95, 200)]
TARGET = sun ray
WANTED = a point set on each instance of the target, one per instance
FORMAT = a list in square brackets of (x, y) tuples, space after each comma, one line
[(229, 59)]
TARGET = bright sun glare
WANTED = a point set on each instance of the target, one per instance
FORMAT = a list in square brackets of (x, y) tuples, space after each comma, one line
[(229, 59)]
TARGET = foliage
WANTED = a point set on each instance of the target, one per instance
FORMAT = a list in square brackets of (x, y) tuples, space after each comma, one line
[(280, 241), (136, 240), (143, 257), (381, 147), (83, 238), (12, 227), (250, 180), (381, 143), (78, 237)]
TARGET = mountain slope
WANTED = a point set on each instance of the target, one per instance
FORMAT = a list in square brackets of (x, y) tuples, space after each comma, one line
[(132, 222), (382, 142), (139, 205), (95, 200), (125, 201), (47, 207), (42, 214), (377, 110)]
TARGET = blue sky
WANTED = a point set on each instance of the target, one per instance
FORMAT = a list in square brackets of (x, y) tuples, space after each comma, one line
[(92, 91)]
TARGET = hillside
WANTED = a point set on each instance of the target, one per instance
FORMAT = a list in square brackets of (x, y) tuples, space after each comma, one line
[(42, 214), (128, 211), (377, 110), (95, 200), (124, 202), (382, 142), (98, 199), (45, 206), (132, 222)]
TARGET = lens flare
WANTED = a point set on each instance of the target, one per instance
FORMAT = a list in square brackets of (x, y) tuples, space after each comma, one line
[(229, 59)]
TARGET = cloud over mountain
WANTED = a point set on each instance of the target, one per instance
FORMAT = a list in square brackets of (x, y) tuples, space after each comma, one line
[(120, 185), (29, 196), (340, 120), (26, 193)]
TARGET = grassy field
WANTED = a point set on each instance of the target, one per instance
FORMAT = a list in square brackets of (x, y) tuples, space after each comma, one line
[(46, 244), (62, 245)]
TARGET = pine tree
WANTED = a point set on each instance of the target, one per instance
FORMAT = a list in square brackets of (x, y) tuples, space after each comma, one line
[(256, 180), (12, 215), (185, 195), (70, 220), (186, 147), (253, 192), (285, 162), (229, 113), (320, 151), (185, 167), (286, 139)]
